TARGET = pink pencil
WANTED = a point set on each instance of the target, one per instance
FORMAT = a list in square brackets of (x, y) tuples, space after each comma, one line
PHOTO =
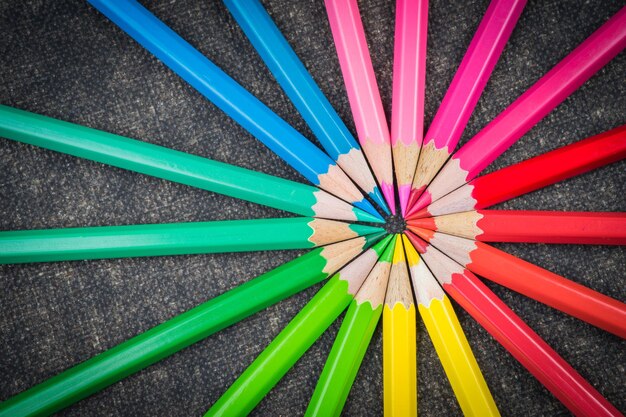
[(517, 119), (358, 74), (409, 76), (465, 89)]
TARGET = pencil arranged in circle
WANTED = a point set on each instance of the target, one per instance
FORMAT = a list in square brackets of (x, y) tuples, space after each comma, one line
[(529, 108), (558, 376), (409, 77), (576, 227), (297, 337), (302, 90), (532, 174), (399, 341), (363, 94), (453, 349), (184, 168), (177, 333), (214, 84), (464, 91), (533, 281), (49, 245)]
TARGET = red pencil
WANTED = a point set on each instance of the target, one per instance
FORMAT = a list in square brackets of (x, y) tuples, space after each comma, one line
[(532, 106), (533, 281), (532, 174), (577, 227), (558, 376)]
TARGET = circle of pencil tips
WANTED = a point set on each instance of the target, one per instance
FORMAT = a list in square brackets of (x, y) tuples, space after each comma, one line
[(427, 209)]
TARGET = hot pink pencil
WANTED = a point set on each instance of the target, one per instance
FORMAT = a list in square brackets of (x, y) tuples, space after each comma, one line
[(358, 74), (517, 119), (409, 76), (465, 89)]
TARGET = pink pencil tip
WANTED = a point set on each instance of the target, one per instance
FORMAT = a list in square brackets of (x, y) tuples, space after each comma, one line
[(404, 191), (419, 214), (389, 194), (422, 202)]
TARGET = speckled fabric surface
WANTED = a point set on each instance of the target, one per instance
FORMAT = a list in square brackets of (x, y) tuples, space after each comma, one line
[(65, 60)]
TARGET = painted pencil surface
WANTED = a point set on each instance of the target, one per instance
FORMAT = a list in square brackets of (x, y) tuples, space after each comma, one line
[(354, 335), (558, 376), (409, 77), (533, 281), (297, 337), (183, 330), (232, 98), (174, 239), (302, 90), (578, 227), (453, 349), (399, 341), (532, 174), (363, 94), (465, 89), (176, 166), (532, 106)]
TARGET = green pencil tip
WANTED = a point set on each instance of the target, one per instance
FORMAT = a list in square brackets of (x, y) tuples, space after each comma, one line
[(363, 230), (364, 216), (380, 246), (387, 255), (371, 239)]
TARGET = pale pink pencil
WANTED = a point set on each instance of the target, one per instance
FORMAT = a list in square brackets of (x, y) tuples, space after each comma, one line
[(465, 89), (358, 74), (517, 119), (409, 76)]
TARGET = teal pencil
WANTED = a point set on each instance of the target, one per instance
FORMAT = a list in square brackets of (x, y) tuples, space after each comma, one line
[(160, 162), (174, 239)]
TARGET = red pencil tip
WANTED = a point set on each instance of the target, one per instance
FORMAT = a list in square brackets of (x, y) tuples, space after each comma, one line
[(419, 244), (424, 223), (419, 214), (423, 201), (425, 234), (414, 195)]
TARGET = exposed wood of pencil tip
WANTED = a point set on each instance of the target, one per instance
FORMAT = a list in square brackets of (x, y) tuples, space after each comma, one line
[(356, 271), (330, 207), (355, 165), (464, 224), (459, 200), (430, 160), (405, 161), (339, 254), (399, 288), (336, 182), (329, 231), (375, 286), (425, 286)]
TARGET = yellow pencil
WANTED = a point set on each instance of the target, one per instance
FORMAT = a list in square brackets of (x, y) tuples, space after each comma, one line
[(445, 331), (399, 343)]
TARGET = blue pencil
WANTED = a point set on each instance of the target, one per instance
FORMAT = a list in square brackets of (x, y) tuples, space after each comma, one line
[(305, 94), (232, 98)]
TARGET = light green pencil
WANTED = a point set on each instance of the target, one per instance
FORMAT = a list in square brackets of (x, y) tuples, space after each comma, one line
[(352, 340), (160, 162), (174, 239), (297, 337)]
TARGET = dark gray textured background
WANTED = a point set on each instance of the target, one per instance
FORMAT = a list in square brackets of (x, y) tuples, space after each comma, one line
[(65, 60)]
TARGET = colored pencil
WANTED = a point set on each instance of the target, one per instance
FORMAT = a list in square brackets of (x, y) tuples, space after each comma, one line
[(354, 335), (306, 96), (558, 376), (453, 349), (363, 94), (297, 337), (160, 162), (578, 227), (399, 341), (214, 84), (532, 174), (532, 106), (49, 245), (533, 281), (465, 89), (409, 77), (183, 330)]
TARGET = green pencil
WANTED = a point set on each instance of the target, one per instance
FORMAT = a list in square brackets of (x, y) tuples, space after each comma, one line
[(174, 239), (181, 331), (160, 162), (297, 337), (356, 331)]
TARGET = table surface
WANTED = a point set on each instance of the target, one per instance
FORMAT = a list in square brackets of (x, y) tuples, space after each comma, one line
[(65, 60)]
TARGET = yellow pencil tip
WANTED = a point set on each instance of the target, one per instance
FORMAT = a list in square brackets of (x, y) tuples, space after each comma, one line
[(398, 252), (411, 254)]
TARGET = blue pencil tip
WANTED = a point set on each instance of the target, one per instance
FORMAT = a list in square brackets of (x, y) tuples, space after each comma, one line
[(377, 196), (369, 208)]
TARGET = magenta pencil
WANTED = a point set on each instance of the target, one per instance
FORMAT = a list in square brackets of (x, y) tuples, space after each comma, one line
[(465, 89), (539, 100), (409, 76), (358, 74)]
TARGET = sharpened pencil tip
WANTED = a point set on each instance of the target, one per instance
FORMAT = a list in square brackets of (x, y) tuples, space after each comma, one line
[(420, 205), (404, 191), (378, 198), (363, 230), (364, 216), (423, 222), (366, 206), (389, 193), (373, 238)]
